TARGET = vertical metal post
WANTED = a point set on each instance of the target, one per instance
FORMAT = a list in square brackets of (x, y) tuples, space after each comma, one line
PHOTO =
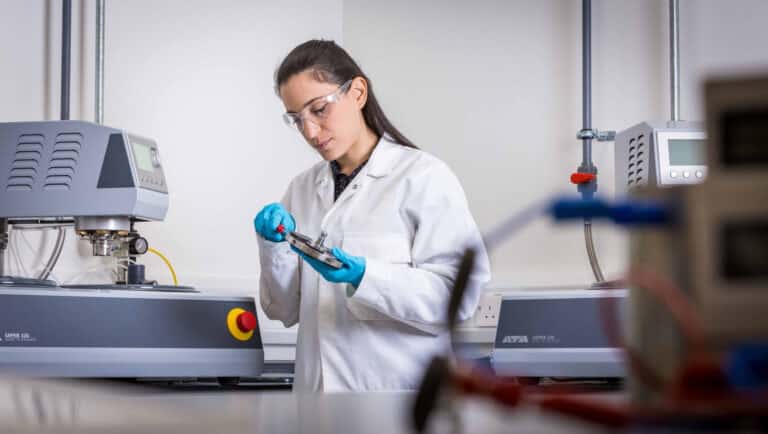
[(586, 163), (99, 81), (3, 244), (586, 81), (66, 61), (674, 58), (66, 52)]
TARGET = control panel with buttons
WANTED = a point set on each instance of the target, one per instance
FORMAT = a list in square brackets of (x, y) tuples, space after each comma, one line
[(660, 153), (149, 169)]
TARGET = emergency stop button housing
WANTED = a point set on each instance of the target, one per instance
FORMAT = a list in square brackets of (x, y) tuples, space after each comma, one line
[(241, 324)]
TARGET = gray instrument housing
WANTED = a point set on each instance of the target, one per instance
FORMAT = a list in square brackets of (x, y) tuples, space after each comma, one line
[(61, 169), (642, 155), (130, 334), (557, 333)]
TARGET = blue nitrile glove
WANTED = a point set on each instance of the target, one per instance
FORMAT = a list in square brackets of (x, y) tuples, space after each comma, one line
[(269, 218), (351, 272)]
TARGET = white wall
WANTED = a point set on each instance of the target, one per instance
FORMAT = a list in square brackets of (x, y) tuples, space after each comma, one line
[(722, 37), (494, 88)]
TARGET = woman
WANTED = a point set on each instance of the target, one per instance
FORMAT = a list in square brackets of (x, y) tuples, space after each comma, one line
[(398, 219)]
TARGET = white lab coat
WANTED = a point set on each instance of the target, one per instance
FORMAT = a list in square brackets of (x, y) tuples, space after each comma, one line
[(406, 213)]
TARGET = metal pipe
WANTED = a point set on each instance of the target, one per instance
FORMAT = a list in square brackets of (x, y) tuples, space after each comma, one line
[(54, 255), (66, 61), (586, 81), (3, 244), (674, 57), (591, 253), (66, 52), (99, 94), (586, 89)]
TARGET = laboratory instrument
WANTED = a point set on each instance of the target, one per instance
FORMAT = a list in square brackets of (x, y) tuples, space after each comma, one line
[(537, 334), (660, 153), (104, 181), (649, 153)]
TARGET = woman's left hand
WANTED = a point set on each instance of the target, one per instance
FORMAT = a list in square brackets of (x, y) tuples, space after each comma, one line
[(351, 272)]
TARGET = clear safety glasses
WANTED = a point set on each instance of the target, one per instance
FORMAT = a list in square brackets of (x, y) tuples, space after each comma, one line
[(316, 110)]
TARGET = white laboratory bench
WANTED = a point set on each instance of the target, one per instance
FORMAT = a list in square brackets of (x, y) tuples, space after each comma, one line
[(30, 406)]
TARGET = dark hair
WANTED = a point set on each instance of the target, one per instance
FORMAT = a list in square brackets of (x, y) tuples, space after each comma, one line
[(329, 63)]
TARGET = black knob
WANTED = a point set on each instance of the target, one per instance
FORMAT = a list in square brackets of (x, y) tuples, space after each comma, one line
[(135, 274)]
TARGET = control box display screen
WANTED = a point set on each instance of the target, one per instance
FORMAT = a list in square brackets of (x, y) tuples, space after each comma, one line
[(149, 171), (143, 154), (686, 152)]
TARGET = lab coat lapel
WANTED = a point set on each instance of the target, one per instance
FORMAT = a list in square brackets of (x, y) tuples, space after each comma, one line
[(383, 159), (379, 164), (324, 187)]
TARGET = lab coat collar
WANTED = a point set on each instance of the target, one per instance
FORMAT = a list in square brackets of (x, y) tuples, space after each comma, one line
[(383, 158), (380, 163)]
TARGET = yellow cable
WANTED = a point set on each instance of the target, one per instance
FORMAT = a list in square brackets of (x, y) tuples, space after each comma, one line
[(168, 263)]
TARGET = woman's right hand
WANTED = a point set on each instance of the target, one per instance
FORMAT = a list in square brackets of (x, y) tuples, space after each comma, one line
[(269, 218)]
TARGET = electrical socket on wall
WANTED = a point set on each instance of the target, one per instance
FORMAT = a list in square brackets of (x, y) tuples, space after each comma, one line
[(487, 313)]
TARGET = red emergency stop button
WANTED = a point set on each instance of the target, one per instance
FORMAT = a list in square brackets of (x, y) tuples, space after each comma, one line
[(241, 323), (246, 322)]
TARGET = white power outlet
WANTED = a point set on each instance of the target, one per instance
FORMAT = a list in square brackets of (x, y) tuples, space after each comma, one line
[(487, 313)]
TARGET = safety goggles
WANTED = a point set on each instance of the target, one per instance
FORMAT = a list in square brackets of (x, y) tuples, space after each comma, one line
[(316, 110)]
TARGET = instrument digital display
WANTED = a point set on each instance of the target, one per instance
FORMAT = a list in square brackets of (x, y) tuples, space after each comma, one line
[(686, 152), (143, 154)]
